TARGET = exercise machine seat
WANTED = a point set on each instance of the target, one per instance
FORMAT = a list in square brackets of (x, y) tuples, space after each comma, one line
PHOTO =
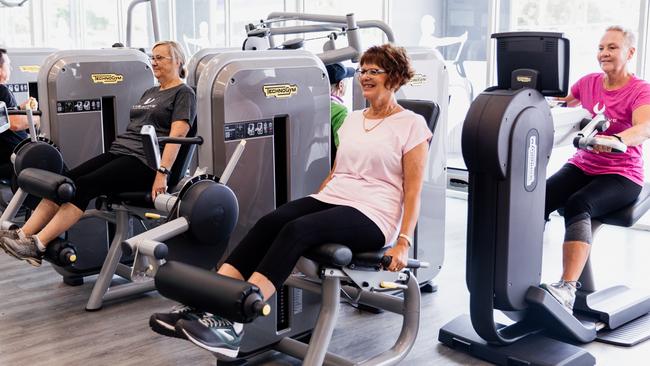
[(629, 215), (331, 254), (427, 109)]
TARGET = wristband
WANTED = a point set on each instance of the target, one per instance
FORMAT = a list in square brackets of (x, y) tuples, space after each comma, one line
[(163, 170), (619, 138), (409, 240)]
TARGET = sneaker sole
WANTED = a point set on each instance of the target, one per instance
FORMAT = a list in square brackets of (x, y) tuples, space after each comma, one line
[(33, 261), (545, 288), (164, 329), (227, 352)]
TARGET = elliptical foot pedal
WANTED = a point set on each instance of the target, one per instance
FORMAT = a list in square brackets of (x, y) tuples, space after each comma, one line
[(628, 335)]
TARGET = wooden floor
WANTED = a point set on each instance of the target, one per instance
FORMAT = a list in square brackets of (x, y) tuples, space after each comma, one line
[(43, 322)]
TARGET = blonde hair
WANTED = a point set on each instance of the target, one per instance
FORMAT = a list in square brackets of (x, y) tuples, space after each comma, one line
[(177, 53), (628, 35)]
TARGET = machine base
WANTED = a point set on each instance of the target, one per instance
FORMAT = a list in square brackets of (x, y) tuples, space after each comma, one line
[(532, 350)]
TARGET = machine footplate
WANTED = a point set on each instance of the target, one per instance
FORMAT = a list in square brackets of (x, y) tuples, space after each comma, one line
[(628, 335)]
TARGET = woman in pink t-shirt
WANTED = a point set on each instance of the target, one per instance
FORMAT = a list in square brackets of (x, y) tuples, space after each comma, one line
[(374, 186), (594, 183)]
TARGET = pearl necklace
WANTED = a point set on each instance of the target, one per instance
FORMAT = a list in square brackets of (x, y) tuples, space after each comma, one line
[(378, 123)]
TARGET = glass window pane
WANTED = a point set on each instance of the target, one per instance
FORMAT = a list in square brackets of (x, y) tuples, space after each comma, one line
[(101, 28), (200, 24), (251, 11), (59, 24), (16, 29), (583, 22)]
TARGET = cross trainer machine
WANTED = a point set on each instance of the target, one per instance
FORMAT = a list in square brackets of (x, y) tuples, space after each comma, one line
[(507, 139)]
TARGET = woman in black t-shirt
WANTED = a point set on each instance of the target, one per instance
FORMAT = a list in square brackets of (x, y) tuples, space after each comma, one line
[(170, 107)]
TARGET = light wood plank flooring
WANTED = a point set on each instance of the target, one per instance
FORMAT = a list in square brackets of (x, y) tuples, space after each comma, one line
[(43, 322)]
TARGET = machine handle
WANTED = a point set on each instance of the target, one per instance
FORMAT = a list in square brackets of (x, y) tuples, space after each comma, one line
[(587, 143), (411, 263)]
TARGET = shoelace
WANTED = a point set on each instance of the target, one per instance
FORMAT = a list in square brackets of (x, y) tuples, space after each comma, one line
[(211, 321), (574, 284)]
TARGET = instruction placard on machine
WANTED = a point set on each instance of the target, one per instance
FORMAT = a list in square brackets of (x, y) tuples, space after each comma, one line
[(248, 129), (80, 105)]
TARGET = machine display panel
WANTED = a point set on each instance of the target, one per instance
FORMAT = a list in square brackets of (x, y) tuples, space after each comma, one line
[(248, 129), (4, 117)]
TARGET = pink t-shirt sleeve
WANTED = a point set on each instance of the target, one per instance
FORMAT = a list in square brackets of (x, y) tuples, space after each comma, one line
[(418, 133), (642, 96), (575, 89)]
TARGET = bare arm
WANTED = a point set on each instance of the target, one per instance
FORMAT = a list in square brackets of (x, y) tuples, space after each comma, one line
[(178, 129), (19, 123), (413, 163), (635, 135)]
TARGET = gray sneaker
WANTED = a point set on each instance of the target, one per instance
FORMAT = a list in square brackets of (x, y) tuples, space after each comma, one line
[(213, 333), (564, 292), (25, 249), (11, 234)]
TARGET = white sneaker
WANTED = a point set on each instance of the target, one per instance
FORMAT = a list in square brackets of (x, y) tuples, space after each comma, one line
[(564, 292)]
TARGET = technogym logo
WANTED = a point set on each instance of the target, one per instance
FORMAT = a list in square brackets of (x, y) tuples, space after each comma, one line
[(107, 78), (418, 80), (280, 90)]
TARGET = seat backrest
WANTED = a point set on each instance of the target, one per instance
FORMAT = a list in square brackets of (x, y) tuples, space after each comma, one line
[(426, 108), (183, 159)]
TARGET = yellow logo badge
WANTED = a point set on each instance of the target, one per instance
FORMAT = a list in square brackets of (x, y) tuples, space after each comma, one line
[(418, 80), (280, 90), (29, 68), (524, 79), (107, 78)]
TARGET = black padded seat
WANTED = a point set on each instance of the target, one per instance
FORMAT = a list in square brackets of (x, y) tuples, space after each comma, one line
[(368, 259), (427, 109), (337, 255), (629, 215)]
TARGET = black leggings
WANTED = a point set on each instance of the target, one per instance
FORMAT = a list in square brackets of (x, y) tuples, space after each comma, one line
[(585, 196), (109, 174), (277, 241)]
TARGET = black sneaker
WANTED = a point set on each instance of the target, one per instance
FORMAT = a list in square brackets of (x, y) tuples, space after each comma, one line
[(213, 333), (165, 323), (23, 248)]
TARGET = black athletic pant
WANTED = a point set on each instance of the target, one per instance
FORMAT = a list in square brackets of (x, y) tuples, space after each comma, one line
[(276, 242), (587, 196), (109, 174)]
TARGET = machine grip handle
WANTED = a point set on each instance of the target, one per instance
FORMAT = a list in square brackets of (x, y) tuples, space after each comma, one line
[(617, 146), (411, 263)]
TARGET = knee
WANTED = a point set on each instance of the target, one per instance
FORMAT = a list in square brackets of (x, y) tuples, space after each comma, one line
[(293, 231), (577, 207)]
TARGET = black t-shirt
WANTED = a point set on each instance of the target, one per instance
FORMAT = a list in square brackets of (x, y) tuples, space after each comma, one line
[(158, 108), (10, 139)]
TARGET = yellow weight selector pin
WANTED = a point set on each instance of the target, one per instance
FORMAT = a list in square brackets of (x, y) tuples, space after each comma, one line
[(266, 310), (152, 216), (72, 258)]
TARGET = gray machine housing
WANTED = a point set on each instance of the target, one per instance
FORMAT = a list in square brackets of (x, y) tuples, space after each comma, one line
[(25, 63), (86, 96), (279, 103)]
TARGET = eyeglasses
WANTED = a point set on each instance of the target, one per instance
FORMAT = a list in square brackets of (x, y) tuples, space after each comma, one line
[(159, 58), (371, 72)]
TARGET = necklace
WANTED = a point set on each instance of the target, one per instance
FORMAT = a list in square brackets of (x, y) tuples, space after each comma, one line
[(378, 123)]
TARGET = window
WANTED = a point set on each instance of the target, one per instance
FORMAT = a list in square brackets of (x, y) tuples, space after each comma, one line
[(252, 11), (200, 24), (61, 24), (15, 26), (100, 23)]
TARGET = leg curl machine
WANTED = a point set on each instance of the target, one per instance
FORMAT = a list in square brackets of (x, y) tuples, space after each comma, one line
[(329, 270)]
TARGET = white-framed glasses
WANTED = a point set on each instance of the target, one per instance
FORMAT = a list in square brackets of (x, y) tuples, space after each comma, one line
[(159, 58), (372, 72)]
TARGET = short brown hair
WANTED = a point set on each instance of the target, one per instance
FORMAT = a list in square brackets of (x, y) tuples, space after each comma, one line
[(394, 60)]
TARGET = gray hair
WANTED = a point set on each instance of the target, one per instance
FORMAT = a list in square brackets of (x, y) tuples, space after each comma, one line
[(177, 53), (630, 37)]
